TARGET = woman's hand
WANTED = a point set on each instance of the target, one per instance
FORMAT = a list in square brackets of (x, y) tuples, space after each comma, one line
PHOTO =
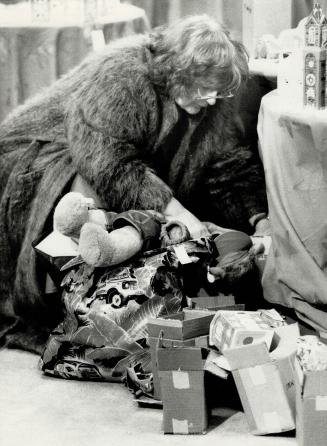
[(194, 225), (176, 211), (262, 227)]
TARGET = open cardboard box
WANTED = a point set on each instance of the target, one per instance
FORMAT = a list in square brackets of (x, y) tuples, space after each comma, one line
[(185, 324), (200, 341), (311, 407), (181, 372), (266, 381)]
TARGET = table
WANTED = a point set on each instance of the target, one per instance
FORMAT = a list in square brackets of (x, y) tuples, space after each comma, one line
[(293, 145), (264, 67), (33, 55)]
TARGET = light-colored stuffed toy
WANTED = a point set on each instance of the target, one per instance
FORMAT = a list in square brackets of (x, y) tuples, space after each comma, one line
[(107, 238)]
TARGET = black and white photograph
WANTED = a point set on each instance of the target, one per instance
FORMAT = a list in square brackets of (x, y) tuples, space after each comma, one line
[(163, 222)]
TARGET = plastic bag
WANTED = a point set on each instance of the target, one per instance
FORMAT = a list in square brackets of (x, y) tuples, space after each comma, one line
[(104, 330)]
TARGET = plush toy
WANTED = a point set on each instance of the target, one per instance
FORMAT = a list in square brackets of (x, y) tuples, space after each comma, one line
[(236, 258), (108, 238)]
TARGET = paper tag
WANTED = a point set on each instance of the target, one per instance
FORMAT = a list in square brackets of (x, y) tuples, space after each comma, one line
[(98, 42), (272, 423), (321, 402), (180, 426), (210, 277), (257, 375), (181, 380), (182, 255), (57, 245), (262, 239)]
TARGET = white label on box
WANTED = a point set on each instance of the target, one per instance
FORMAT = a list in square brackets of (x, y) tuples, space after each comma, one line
[(182, 255), (181, 380), (272, 423), (180, 426), (321, 402), (257, 375), (98, 42)]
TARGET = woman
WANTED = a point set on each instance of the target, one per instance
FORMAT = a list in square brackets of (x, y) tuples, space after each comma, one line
[(150, 123)]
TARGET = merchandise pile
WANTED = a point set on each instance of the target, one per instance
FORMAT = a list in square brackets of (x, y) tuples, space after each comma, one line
[(140, 323), (280, 376)]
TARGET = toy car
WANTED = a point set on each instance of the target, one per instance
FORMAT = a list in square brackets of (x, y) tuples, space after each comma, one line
[(118, 287)]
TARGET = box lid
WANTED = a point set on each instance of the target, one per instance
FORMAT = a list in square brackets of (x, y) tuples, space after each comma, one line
[(182, 325), (213, 301), (256, 354), (181, 358), (285, 341), (247, 356)]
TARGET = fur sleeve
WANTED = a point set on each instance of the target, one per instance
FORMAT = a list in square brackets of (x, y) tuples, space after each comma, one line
[(108, 128), (235, 177)]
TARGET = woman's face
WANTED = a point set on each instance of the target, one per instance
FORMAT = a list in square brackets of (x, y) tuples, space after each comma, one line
[(194, 102)]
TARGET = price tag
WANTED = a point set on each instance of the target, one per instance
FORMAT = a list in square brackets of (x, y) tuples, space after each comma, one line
[(182, 255)]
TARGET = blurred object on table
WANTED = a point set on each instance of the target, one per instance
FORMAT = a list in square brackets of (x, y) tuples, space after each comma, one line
[(35, 51)]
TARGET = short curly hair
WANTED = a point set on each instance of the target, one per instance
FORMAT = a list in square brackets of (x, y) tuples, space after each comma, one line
[(197, 52)]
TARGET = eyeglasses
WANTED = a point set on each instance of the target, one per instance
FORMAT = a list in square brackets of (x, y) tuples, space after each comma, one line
[(225, 95)]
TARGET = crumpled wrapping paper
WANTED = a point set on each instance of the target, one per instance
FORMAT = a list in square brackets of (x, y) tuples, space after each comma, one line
[(311, 353)]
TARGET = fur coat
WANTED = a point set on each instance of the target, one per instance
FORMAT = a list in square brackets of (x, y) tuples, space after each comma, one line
[(108, 121)]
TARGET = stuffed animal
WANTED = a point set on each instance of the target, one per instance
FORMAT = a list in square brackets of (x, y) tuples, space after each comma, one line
[(107, 238), (236, 258)]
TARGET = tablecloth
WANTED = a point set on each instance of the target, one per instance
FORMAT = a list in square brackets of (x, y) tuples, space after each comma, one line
[(33, 55), (293, 144)]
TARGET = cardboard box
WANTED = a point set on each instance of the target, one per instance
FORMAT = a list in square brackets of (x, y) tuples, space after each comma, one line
[(54, 251), (230, 329), (200, 341), (266, 382), (182, 387), (311, 407), (183, 325), (215, 303)]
